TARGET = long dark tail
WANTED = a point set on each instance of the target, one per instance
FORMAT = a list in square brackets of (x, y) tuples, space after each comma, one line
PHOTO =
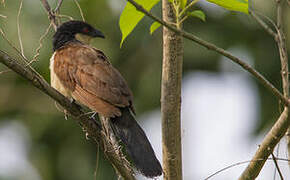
[(136, 143)]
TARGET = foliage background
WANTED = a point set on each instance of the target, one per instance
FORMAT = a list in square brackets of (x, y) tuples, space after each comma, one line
[(57, 149)]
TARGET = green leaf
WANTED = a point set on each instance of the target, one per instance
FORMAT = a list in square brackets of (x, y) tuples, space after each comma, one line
[(154, 26), (130, 17), (183, 3), (198, 14), (233, 5)]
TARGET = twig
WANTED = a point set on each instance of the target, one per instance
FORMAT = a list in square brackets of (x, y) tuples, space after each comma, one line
[(91, 127), (40, 45), (281, 41), (58, 6), (277, 166), (5, 71), (3, 2), (221, 51), (240, 163), (188, 6), (2, 16), (263, 24), (64, 16), (51, 15), (18, 29), (14, 47), (80, 9)]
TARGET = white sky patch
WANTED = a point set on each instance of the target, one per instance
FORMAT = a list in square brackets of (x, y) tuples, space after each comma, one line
[(117, 6), (14, 143)]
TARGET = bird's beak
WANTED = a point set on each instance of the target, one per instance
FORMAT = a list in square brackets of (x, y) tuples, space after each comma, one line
[(99, 34)]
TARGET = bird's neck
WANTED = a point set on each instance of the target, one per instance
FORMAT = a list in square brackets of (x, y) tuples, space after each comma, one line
[(60, 39)]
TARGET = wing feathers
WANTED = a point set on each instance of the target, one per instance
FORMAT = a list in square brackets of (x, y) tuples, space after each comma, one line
[(92, 79)]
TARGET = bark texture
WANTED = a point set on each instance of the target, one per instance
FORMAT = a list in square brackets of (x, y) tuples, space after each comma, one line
[(171, 97)]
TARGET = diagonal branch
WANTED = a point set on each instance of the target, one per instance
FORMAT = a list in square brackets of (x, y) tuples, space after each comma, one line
[(263, 24), (267, 146), (283, 123), (91, 127), (221, 51)]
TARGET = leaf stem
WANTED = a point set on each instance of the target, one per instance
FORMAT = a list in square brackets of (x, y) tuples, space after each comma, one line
[(188, 6)]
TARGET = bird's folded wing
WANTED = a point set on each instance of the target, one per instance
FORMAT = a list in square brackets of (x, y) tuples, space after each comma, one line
[(92, 79)]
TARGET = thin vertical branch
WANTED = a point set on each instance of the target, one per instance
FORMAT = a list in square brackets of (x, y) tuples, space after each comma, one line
[(283, 123), (18, 29), (80, 9), (171, 97), (281, 41)]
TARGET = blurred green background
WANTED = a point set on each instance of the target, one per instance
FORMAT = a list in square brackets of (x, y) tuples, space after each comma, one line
[(59, 149)]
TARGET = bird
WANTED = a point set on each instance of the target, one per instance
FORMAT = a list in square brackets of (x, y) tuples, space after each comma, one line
[(84, 74)]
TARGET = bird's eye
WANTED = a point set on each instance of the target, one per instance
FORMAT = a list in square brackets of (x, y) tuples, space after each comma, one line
[(85, 30)]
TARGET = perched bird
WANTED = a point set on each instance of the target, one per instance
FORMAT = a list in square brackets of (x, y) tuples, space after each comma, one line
[(84, 73)]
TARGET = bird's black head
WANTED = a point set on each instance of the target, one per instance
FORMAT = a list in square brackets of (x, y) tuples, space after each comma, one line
[(74, 30)]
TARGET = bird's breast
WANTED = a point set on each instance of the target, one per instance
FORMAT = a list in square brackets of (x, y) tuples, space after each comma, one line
[(55, 82)]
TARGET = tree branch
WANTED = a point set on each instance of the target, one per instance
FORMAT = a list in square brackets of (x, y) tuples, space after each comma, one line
[(264, 25), (58, 5), (281, 126), (51, 14), (221, 51), (267, 147), (281, 41), (171, 95), (91, 127)]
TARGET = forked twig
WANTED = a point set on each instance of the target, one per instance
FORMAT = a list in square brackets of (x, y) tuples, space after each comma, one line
[(51, 15), (264, 25), (58, 6)]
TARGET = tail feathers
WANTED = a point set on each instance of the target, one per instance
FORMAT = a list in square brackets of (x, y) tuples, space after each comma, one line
[(137, 144)]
